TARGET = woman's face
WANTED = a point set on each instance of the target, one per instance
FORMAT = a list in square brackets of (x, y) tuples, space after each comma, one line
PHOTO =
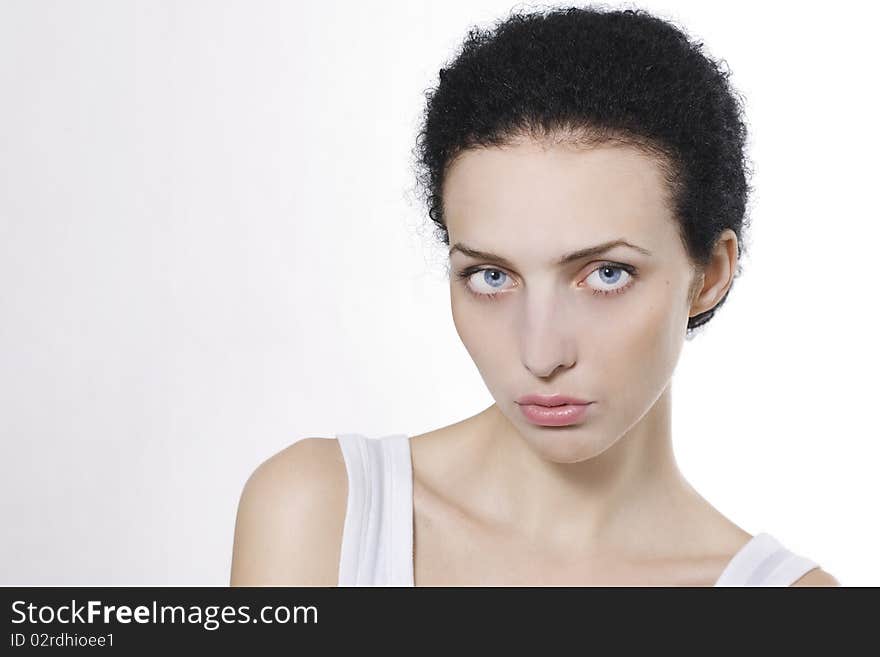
[(606, 328)]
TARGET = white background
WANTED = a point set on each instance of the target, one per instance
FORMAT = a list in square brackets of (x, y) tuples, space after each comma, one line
[(210, 247)]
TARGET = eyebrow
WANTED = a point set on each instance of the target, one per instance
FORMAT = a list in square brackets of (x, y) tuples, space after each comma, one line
[(580, 254)]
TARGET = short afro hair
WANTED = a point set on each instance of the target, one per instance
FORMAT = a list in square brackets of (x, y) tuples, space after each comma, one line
[(592, 75)]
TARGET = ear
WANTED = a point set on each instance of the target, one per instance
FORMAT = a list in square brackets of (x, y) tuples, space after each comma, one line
[(712, 281)]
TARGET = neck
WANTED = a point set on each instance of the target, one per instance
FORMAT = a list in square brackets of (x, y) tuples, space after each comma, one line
[(625, 492)]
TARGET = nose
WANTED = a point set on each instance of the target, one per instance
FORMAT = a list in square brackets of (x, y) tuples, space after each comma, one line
[(547, 372), (548, 344)]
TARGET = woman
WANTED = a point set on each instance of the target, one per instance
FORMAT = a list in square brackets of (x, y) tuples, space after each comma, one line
[(587, 170)]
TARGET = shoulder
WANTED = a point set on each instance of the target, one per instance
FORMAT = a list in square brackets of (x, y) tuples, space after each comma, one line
[(291, 512), (816, 577)]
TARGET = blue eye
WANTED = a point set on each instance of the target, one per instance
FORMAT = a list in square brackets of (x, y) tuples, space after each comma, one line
[(492, 281), (609, 274)]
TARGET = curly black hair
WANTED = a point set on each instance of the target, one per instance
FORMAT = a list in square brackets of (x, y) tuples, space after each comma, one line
[(591, 75)]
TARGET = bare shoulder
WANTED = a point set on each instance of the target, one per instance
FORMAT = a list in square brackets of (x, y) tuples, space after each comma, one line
[(816, 577), (288, 528)]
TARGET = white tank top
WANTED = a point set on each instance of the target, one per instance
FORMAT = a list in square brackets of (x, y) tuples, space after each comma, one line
[(377, 539)]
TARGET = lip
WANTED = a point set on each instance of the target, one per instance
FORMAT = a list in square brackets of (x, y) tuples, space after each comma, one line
[(555, 416), (550, 400)]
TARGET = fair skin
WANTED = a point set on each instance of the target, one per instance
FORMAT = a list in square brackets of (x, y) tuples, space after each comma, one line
[(498, 500)]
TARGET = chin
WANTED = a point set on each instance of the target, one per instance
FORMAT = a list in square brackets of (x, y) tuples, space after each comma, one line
[(565, 444)]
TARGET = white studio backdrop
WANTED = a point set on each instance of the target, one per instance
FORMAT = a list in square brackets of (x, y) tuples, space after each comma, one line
[(210, 247)]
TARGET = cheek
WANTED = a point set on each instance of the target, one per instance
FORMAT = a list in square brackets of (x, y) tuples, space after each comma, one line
[(641, 347), (483, 333), (470, 331)]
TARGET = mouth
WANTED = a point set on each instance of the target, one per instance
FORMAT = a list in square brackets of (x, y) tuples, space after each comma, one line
[(560, 415)]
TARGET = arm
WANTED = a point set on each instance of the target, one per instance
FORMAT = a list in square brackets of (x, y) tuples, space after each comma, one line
[(288, 529)]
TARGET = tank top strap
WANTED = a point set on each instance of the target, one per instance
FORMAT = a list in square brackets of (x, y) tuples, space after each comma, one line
[(377, 535), (764, 561)]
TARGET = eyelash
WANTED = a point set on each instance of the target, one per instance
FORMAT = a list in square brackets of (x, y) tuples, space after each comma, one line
[(467, 272)]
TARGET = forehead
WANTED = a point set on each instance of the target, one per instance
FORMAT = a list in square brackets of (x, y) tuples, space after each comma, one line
[(579, 192)]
